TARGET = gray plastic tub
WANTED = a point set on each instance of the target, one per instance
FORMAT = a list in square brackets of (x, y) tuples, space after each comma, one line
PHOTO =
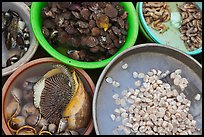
[(24, 11)]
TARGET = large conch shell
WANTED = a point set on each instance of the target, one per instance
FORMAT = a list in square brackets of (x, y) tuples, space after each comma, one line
[(78, 111)]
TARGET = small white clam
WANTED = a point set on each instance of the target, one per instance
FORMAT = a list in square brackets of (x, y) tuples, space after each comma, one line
[(122, 110), (176, 81), (113, 117), (150, 73), (123, 102), (131, 90), (178, 71), (130, 101), (127, 130), (197, 97), (115, 96), (138, 83), (173, 75), (125, 121), (154, 71), (159, 72), (125, 66), (117, 111), (141, 75), (135, 74), (146, 78), (109, 80), (179, 98), (124, 92), (128, 125), (118, 118), (124, 115), (116, 84), (117, 101)]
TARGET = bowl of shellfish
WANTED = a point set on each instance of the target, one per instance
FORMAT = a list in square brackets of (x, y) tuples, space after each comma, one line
[(45, 97), (18, 41), (84, 34), (177, 24), (149, 89)]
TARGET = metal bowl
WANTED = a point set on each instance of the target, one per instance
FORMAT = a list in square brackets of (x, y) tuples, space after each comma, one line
[(143, 58)]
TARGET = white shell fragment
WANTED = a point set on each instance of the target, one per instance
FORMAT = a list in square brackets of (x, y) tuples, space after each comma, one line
[(141, 75), (115, 96), (112, 117), (125, 66), (109, 80), (178, 71), (135, 74), (154, 107), (116, 84), (197, 97), (137, 83)]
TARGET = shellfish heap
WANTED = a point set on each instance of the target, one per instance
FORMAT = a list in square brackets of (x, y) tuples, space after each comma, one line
[(16, 35), (191, 28), (85, 31), (61, 105), (155, 107), (155, 13)]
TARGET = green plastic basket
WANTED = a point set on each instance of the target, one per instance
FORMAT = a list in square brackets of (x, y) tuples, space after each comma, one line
[(36, 22)]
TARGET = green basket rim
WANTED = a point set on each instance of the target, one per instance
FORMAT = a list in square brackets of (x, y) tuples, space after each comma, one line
[(131, 37)]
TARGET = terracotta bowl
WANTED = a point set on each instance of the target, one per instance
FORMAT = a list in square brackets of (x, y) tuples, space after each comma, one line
[(34, 70)]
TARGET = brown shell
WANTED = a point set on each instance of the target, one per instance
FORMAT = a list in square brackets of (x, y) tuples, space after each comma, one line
[(78, 111), (15, 123), (12, 109)]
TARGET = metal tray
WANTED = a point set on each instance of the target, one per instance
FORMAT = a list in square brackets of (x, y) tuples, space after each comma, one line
[(143, 58)]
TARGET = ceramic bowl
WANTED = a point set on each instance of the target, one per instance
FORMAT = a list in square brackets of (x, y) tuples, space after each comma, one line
[(24, 12), (32, 71)]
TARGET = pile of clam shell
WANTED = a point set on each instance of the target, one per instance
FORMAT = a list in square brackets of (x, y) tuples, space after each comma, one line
[(88, 31), (16, 36), (23, 117)]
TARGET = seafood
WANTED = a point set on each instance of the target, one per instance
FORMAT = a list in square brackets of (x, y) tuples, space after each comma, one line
[(62, 125), (79, 29), (12, 109), (191, 32), (27, 95), (52, 92), (155, 13), (16, 36), (33, 120), (154, 108), (52, 128), (29, 109), (16, 122), (77, 112), (70, 114), (43, 122)]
